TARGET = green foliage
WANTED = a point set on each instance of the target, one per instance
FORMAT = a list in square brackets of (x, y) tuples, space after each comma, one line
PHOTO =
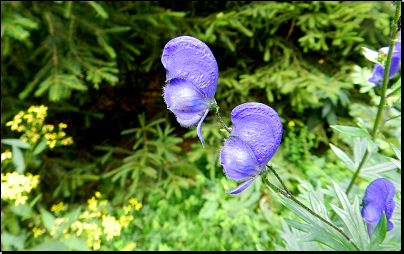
[(97, 65), (353, 224)]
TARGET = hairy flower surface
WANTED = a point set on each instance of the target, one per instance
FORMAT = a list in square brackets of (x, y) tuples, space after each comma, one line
[(192, 73), (254, 139), (378, 199), (378, 70)]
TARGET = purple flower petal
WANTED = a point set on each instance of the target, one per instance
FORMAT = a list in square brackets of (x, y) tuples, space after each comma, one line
[(380, 191), (238, 160), (397, 45), (183, 100), (390, 225), (259, 127), (191, 122), (199, 128), (378, 72), (189, 58), (371, 212), (241, 187)]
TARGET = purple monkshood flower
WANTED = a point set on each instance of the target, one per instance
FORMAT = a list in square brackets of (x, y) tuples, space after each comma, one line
[(378, 70), (254, 139), (192, 73), (378, 198)]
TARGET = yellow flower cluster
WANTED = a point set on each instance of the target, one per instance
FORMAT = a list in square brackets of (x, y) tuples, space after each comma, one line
[(15, 186), (31, 123), (58, 207), (134, 202), (129, 247), (38, 232), (95, 222)]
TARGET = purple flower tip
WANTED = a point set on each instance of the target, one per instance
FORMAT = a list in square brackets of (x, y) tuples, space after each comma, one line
[(192, 73), (378, 199), (255, 137), (378, 70)]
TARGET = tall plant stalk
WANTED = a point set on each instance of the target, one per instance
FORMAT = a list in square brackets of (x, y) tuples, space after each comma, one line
[(382, 105)]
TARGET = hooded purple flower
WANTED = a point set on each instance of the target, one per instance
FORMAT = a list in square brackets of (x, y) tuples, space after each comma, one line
[(378, 71), (378, 198), (192, 73), (257, 133)]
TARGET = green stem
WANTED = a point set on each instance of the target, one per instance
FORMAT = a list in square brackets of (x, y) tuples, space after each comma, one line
[(215, 107), (288, 195), (382, 104)]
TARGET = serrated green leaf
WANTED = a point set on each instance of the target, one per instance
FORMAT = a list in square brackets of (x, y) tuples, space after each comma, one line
[(352, 218), (351, 131), (396, 151), (16, 142), (343, 156), (40, 147), (48, 219), (18, 159), (360, 146), (379, 233)]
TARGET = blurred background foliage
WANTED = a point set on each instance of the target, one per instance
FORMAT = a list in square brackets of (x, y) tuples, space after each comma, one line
[(96, 67)]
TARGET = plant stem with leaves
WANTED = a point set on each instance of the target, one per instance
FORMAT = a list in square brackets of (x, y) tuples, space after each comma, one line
[(381, 110), (289, 195)]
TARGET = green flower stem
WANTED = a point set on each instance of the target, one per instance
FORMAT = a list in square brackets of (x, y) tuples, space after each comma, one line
[(382, 104), (280, 180), (288, 195), (215, 107)]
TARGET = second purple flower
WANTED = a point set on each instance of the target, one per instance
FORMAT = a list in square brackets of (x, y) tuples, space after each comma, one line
[(254, 139)]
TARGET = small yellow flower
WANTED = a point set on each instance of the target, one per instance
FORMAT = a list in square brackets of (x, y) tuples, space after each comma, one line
[(14, 124), (97, 194), (35, 138), (38, 232), (111, 227), (29, 117), (127, 209), (291, 123), (6, 155), (92, 204), (41, 112), (62, 134), (20, 128), (24, 140), (48, 127), (97, 245), (51, 143), (133, 201), (62, 125)]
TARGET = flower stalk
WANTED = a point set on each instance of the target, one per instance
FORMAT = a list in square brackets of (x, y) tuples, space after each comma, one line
[(289, 195), (382, 104)]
